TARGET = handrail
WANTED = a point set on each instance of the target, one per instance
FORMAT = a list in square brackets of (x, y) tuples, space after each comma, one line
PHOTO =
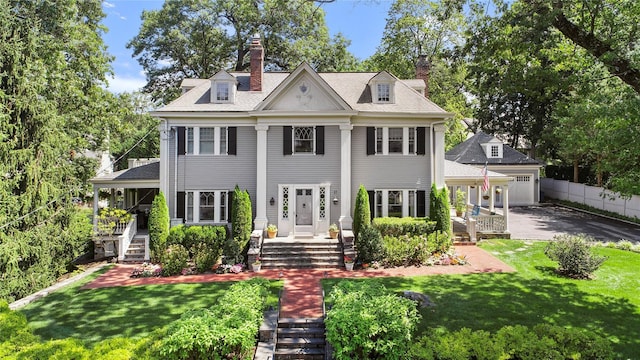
[(490, 223), (127, 236)]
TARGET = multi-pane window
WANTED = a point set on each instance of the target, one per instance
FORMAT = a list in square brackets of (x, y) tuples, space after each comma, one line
[(395, 140), (384, 92), (206, 140), (303, 138), (206, 206), (494, 151), (395, 203), (222, 91)]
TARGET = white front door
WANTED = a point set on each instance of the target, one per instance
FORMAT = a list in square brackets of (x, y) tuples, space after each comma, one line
[(304, 210)]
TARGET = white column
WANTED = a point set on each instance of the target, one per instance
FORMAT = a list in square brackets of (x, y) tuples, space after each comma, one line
[(345, 219), (438, 154), (492, 201), (479, 195), (505, 207), (164, 156), (96, 198), (261, 178)]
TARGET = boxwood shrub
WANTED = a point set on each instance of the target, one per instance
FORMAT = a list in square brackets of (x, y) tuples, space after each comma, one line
[(512, 342), (407, 250), (368, 322), (174, 260), (389, 226)]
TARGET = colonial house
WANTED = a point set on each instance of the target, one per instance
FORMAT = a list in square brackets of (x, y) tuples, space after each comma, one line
[(301, 143), (482, 150)]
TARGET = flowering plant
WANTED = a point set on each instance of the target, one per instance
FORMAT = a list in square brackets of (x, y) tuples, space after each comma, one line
[(272, 227), (147, 270), (257, 261), (237, 268), (348, 259)]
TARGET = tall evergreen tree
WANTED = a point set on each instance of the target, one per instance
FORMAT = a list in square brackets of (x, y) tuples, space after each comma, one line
[(362, 211)]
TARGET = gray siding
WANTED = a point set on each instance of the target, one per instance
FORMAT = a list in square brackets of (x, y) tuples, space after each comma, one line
[(388, 171), (208, 172), (302, 169)]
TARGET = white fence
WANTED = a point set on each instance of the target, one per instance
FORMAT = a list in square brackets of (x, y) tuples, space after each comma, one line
[(596, 197)]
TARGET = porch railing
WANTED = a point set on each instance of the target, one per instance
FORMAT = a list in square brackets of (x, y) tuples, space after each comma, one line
[(490, 223), (124, 240)]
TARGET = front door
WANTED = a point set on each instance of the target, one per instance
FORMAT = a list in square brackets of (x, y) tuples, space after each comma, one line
[(304, 210)]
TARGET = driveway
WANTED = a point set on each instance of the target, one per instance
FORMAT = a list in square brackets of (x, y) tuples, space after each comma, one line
[(544, 222)]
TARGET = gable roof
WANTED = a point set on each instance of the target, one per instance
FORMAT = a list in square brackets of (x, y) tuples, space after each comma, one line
[(147, 175), (470, 152), (350, 88)]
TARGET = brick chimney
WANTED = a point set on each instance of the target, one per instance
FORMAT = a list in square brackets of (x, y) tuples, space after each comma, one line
[(423, 68), (257, 63)]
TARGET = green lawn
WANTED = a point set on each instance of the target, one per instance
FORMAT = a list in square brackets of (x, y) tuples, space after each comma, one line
[(132, 311), (608, 305)]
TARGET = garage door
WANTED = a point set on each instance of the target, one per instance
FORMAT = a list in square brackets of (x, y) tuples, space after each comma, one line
[(521, 190)]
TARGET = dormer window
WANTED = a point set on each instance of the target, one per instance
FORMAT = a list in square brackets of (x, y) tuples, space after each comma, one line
[(384, 93), (382, 88), (222, 91), (223, 88), (494, 151)]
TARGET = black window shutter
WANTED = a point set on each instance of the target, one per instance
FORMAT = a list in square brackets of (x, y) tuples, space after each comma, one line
[(286, 140), (420, 134), (319, 140), (180, 205), (232, 133), (372, 202), (421, 199), (181, 140), (229, 205), (371, 140)]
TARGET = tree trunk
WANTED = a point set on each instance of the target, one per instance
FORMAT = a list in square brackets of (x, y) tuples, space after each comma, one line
[(576, 171)]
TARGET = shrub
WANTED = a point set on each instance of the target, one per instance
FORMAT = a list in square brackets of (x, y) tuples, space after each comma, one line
[(115, 349), (203, 257), (574, 256), (55, 349), (232, 253), (174, 260), (361, 211), (158, 226), (624, 245), (369, 245), (368, 322), (15, 333), (403, 226), (176, 235), (241, 217), (439, 210), (226, 330), (405, 250), (512, 342)]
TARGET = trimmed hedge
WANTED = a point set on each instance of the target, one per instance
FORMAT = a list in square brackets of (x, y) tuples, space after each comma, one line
[(361, 211), (439, 210), (366, 321), (512, 342), (158, 226), (390, 226)]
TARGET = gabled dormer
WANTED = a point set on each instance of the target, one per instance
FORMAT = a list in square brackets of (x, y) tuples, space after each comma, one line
[(383, 88), (223, 88), (493, 149)]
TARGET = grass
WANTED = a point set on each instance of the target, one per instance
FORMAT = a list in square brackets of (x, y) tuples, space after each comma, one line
[(131, 311), (608, 305)]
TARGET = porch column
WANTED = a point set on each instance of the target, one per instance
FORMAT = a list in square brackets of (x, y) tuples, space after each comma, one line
[(261, 178), (492, 201), (479, 195), (165, 136), (505, 207), (96, 198), (438, 154), (345, 219)]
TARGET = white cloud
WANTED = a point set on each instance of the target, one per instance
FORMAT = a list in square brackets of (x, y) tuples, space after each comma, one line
[(108, 4), (121, 84)]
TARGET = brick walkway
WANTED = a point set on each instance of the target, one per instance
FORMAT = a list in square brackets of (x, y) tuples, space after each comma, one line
[(302, 296)]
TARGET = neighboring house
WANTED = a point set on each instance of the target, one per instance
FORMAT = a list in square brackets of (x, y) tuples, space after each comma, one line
[(301, 143), (482, 149)]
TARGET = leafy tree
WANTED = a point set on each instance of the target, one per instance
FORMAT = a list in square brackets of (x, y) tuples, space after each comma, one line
[(53, 105), (607, 30), (158, 226), (434, 29), (196, 39), (362, 211)]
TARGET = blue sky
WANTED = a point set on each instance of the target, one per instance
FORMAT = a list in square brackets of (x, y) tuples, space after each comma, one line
[(361, 21)]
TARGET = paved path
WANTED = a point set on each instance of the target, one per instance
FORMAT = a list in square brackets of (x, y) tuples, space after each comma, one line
[(544, 222), (302, 295)]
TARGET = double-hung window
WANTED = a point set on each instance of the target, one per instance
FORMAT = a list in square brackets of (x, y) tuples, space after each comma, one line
[(396, 140), (206, 140), (206, 206), (395, 203), (384, 92), (222, 91)]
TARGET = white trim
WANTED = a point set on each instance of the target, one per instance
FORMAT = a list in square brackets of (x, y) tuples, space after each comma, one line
[(345, 219), (260, 222), (288, 226), (217, 194)]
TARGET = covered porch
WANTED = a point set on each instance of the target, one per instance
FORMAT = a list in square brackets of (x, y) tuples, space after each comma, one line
[(479, 221), (132, 190)]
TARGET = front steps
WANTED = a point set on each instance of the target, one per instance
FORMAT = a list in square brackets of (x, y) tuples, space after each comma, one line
[(300, 339), (135, 252), (298, 253)]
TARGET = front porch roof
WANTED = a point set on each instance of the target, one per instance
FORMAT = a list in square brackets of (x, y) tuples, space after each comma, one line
[(144, 176), (461, 174)]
